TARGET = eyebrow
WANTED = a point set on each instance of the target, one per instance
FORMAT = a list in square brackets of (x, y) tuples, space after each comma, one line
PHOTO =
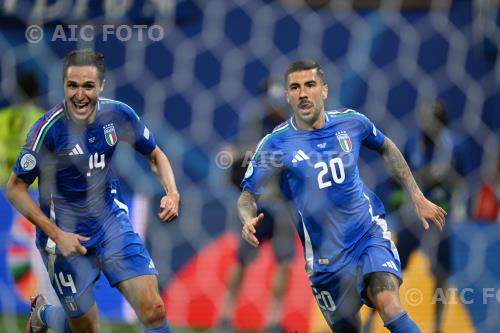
[(297, 84), (84, 83)]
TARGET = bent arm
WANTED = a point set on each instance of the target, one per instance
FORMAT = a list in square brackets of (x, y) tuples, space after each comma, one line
[(160, 165), (400, 170), (17, 193), (398, 167)]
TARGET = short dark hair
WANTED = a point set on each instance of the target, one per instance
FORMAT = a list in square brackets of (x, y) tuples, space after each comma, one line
[(28, 85), (303, 65), (84, 57)]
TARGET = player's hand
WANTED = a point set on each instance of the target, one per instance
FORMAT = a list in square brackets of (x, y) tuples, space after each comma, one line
[(426, 210), (69, 243), (250, 228), (169, 207)]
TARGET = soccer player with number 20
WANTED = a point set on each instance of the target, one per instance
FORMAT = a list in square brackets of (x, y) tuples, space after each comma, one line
[(350, 258)]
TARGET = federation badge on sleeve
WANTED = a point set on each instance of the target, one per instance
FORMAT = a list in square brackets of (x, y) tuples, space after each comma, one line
[(110, 134), (28, 162), (344, 141)]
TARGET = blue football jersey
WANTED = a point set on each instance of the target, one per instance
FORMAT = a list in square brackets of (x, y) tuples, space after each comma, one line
[(77, 187), (335, 207)]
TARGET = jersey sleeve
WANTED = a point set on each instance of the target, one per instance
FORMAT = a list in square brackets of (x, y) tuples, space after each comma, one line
[(37, 145), (265, 161), (372, 137), (136, 133)]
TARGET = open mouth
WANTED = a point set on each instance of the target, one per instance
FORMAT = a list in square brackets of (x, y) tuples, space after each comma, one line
[(80, 106)]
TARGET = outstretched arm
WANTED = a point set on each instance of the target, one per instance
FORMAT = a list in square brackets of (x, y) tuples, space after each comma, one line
[(247, 211), (68, 243), (169, 205), (425, 209)]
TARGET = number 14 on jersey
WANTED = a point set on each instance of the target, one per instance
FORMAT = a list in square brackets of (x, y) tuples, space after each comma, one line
[(96, 161)]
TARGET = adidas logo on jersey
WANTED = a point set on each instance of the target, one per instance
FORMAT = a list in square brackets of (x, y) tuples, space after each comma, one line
[(390, 264), (300, 156), (77, 150)]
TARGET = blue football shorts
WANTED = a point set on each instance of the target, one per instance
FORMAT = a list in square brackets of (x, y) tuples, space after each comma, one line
[(119, 256), (341, 294)]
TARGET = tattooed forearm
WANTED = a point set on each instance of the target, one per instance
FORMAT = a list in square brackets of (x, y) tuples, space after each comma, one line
[(395, 161), (247, 206)]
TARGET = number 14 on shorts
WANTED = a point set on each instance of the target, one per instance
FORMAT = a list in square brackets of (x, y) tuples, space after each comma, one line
[(65, 282)]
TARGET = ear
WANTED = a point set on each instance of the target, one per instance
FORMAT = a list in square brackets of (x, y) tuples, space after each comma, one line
[(324, 91)]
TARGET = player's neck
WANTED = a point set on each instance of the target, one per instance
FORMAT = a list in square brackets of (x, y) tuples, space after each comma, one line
[(80, 122), (316, 123)]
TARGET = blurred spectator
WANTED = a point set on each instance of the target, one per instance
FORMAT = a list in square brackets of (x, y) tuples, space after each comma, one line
[(277, 226), (15, 122), (486, 206), (429, 152)]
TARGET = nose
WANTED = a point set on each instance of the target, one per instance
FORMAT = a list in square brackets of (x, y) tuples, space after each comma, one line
[(302, 94), (79, 93)]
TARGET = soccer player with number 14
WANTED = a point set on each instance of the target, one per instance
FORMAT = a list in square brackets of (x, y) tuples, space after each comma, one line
[(83, 227)]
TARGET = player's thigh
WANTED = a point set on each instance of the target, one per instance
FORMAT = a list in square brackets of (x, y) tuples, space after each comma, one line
[(72, 279), (128, 266), (125, 257), (381, 275), (380, 271), (88, 323), (379, 284), (379, 254)]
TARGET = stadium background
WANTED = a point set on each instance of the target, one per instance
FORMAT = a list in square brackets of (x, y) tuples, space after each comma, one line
[(202, 82)]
